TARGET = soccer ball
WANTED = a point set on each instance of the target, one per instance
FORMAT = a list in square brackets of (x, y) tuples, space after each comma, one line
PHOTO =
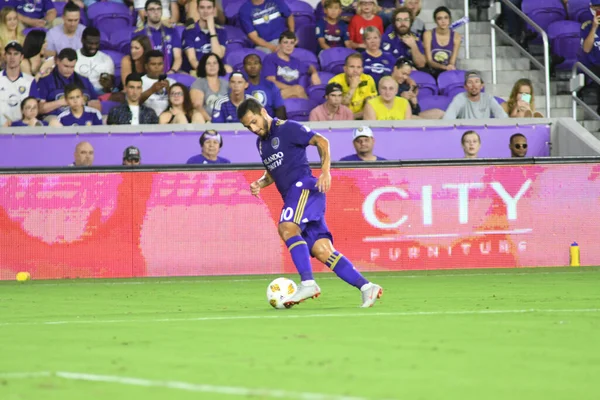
[(279, 291)]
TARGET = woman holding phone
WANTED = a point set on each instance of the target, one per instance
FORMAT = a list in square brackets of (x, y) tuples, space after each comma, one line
[(521, 103)]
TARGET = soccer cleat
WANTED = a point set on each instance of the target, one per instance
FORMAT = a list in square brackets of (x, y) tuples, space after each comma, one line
[(370, 295), (304, 292)]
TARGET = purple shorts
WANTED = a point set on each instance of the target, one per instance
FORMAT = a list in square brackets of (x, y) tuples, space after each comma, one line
[(304, 205)]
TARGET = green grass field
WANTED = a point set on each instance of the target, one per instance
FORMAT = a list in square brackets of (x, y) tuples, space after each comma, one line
[(478, 334)]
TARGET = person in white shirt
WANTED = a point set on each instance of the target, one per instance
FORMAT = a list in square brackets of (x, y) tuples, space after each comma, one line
[(92, 63), (68, 34), (14, 85), (155, 84), (170, 13)]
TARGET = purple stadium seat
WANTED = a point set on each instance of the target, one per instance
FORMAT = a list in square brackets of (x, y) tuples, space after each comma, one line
[(27, 30), (184, 79), (108, 105), (544, 12), (298, 109), (121, 39), (105, 42), (60, 6), (236, 36), (500, 100), (333, 60), (316, 93), (430, 102), (116, 56), (579, 10), (232, 10), (304, 14), (425, 81), (565, 40), (454, 91), (306, 56), (325, 76), (307, 37), (110, 16), (236, 58), (448, 80)]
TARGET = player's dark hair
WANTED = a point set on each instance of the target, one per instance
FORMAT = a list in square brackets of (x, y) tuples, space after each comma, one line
[(34, 41), (153, 54), (288, 35), (329, 3), (441, 9), (201, 72), (157, 2), (133, 77), (516, 135), (249, 105), (71, 7), (90, 31), (462, 139), (26, 99), (71, 87), (251, 55), (68, 53)]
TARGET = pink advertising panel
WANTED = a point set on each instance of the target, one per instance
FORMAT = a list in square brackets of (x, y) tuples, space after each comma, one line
[(193, 223)]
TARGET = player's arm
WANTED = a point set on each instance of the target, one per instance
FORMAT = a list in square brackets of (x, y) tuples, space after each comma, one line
[(322, 144), (262, 182)]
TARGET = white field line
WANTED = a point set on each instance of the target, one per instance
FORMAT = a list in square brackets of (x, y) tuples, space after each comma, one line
[(283, 315), (209, 279), (190, 387)]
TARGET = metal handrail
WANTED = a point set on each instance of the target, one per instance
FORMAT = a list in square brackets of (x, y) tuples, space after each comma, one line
[(545, 67), (577, 100), (467, 39)]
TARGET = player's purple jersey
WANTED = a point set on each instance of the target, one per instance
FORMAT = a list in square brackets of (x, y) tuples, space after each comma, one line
[(283, 152)]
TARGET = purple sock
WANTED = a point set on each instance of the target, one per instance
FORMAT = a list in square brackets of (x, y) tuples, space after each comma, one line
[(301, 257), (344, 269)]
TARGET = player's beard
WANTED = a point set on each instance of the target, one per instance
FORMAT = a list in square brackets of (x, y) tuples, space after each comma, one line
[(265, 126)]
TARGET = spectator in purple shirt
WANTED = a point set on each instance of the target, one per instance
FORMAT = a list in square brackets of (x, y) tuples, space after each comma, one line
[(225, 109), (377, 63), (262, 90), (52, 87), (400, 41), (285, 70), (204, 36), (36, 14), (264, 21), (363, 140), (68, 34), (331, 30), (78, 114), (211, 143)]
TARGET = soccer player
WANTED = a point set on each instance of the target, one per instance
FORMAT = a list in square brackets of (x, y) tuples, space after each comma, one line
[(282, 148)]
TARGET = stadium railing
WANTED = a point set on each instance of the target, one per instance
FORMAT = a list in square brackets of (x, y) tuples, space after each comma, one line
[(544, 67), (576, 83)]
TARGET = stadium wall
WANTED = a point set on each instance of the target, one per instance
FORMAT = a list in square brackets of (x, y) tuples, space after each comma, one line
[(113, 223)]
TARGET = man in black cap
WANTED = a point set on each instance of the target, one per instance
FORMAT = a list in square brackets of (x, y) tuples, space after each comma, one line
[(14, 85), (132, 156), (332, 109)]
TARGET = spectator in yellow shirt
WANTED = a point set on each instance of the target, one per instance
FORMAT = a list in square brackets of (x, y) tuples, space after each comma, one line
[(387, 106), (357, 87)]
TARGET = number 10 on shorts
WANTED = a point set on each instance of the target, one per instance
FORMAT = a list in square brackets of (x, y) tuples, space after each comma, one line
[(286, 214)]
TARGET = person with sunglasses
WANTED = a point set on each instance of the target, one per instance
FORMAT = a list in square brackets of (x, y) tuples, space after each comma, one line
[(518, 145)]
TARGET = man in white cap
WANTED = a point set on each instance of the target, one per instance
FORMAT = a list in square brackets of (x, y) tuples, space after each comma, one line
[(363, 140)]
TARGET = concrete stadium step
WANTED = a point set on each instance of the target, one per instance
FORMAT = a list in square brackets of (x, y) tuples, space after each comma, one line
[(502, 64), (592, 126), (512, 76), (486, 52)]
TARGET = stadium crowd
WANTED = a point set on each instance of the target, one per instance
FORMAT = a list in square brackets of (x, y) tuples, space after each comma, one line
[(83, 63)]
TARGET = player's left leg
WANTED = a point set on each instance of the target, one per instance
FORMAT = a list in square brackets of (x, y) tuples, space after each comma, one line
[(324, 251)]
